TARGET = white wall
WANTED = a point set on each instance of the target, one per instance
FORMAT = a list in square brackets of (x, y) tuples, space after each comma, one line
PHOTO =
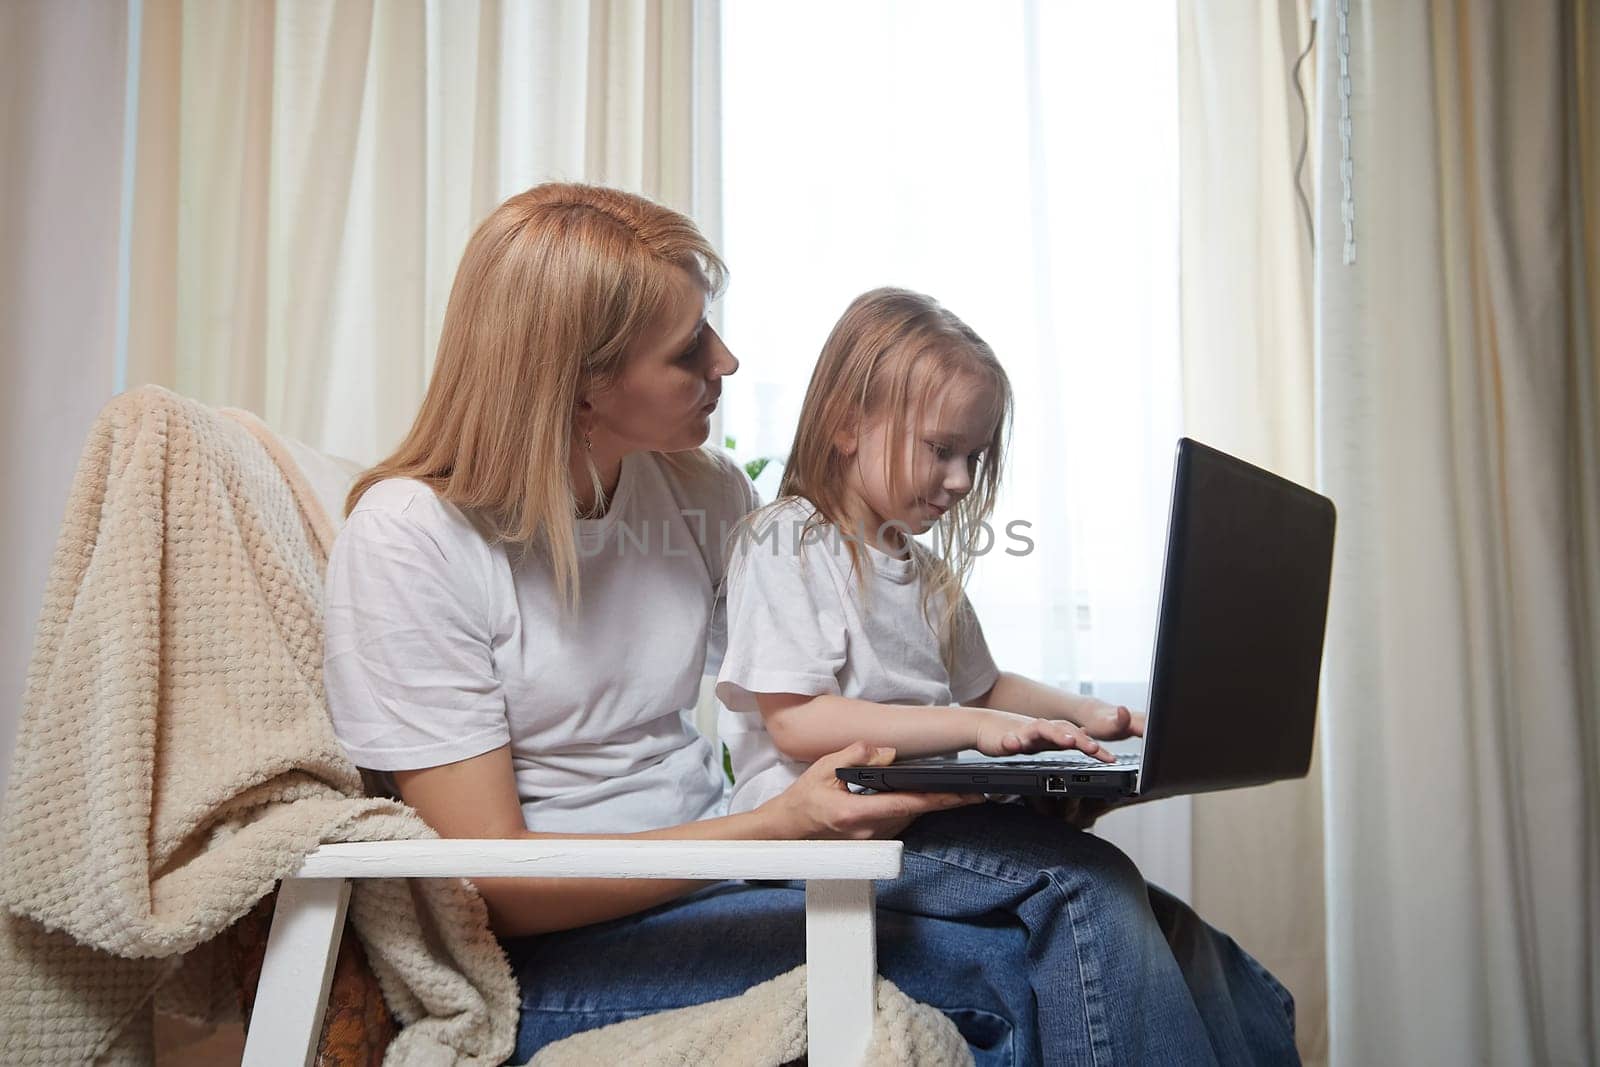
[(64, 72)]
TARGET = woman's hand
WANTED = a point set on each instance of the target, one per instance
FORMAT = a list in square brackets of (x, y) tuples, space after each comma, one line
[(819, 805), (1109, 722), (1004, 733)]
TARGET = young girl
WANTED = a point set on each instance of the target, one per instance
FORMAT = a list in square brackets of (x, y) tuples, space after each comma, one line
[(842, 627)]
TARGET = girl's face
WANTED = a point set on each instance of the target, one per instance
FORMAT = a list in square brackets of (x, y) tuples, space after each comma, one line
[(670, 383), (939, 459)]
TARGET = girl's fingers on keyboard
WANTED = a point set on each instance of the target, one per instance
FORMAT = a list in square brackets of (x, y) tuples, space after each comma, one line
[(1070, 736)]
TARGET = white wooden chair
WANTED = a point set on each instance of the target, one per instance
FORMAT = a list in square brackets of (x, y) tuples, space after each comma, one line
[(309, 918), (841, 948)]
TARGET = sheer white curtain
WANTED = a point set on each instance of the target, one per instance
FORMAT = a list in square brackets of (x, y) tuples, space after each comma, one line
[(1248, 388), (1019, 163)]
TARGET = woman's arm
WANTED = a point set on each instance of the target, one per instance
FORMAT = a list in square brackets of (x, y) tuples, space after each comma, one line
[(805, 727), (1015, 693), (477, 798)]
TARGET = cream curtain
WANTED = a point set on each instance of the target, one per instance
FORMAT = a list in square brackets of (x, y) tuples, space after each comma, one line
[(1454, 416), (308, 174), (1247, 369), (61, 122), (271, 214), (1460, 435)]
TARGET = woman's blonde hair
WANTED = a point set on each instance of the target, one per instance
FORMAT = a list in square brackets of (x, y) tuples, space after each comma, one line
[(553, 288), (886, 358)]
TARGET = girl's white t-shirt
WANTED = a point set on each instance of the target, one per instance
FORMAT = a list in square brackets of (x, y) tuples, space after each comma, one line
[(798, 623), (441, 646)]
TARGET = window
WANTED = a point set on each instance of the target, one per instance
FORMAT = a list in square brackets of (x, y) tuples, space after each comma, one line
[(1019, 163)]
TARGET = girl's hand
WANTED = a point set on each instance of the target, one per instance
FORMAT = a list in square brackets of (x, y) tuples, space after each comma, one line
[(1004, 733), (819, 805), (1109, 722)]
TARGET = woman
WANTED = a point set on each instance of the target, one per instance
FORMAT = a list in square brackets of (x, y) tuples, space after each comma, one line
[(520, 608)]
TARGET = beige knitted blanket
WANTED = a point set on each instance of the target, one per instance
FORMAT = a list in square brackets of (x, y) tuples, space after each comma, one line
[(174, 760), (763, 1027)]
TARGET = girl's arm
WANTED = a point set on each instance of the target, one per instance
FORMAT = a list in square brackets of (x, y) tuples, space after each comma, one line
[(477, 798), (1015, 693), (806, 727)]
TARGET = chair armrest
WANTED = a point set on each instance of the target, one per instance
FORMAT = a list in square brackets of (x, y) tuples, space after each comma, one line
[(607, 858), (840, 918)]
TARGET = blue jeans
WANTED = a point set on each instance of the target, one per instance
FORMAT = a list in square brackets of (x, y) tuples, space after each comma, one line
[(1042, 943)]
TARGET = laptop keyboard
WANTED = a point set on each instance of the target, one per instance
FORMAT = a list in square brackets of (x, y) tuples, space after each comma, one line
[(1073, 759)]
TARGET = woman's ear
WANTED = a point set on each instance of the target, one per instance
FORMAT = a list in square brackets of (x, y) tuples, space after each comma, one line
[(846, 442), (583, 418), (585, 412)]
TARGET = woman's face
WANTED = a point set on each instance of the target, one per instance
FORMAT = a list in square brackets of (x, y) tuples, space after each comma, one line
[(670, 383)]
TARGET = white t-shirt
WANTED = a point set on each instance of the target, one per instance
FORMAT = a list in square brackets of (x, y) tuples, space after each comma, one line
[(798, 623), (441, 646)]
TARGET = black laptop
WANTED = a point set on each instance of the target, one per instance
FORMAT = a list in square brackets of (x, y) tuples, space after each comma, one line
[(1233, 685)]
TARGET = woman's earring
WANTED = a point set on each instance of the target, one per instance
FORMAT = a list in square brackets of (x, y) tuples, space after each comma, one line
[(588, 445)]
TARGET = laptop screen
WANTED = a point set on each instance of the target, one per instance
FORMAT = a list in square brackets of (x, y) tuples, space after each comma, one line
[(1244, 605)]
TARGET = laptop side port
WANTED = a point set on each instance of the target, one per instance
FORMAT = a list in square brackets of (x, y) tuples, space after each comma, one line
[(1055, 783)]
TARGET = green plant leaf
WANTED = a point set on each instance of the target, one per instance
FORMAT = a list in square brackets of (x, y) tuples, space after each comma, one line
[(756, 466)]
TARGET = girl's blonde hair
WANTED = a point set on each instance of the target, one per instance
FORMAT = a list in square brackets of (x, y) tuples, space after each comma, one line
[(553, 288), (885, 360)]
